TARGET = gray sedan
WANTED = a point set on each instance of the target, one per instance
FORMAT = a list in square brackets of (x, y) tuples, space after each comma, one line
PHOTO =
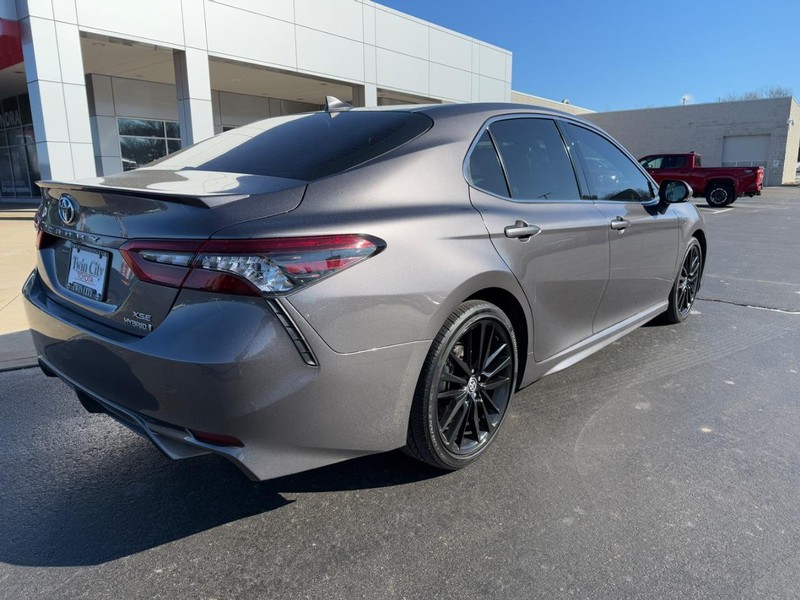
[(316, 287)]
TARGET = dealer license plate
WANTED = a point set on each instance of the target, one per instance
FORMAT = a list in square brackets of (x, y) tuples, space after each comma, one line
[(88, 270)]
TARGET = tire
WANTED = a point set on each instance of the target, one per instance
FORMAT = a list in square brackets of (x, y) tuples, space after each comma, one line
[(684, 290), (465, 387), (720, 194)]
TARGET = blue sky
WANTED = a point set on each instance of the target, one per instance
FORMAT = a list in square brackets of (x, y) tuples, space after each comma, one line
[(622, 54)]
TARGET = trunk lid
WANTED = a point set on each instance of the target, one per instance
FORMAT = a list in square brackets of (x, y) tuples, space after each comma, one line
[(83, 224)]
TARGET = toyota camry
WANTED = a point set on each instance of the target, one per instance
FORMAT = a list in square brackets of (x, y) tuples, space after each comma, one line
[(316, 287)]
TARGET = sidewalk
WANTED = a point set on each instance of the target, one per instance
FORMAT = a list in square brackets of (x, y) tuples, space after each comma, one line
[(17, 258)]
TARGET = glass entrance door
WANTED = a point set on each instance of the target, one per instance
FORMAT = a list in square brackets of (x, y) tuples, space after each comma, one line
[(19, 164)]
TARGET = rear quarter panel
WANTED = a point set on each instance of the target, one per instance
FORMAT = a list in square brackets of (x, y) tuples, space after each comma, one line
[(437, 248)]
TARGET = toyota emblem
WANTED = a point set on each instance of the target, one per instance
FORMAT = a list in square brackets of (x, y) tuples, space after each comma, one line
[(67, 209)]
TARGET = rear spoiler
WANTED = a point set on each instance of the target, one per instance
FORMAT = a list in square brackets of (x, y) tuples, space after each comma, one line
[(205, 189), (208, 200)]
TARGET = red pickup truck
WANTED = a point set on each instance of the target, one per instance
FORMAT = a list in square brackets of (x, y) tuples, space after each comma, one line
[(720, 185)]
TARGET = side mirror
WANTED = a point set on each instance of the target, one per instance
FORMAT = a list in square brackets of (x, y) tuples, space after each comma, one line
[(671, 191)]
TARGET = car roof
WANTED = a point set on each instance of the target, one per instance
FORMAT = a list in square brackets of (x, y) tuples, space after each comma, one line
[(669, 154), (468, 108)]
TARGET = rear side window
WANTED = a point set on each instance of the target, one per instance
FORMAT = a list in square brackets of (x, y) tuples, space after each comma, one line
[(673, 162), (304, 147), (664, 162), (609, 173), (485, 172), (535, 159)]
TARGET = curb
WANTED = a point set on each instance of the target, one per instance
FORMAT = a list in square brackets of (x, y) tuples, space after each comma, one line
[(19, 365), (17, 351)]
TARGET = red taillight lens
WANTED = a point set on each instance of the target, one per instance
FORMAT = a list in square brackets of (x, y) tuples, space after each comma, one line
[(222, 283), (160, 261), (250, 267)]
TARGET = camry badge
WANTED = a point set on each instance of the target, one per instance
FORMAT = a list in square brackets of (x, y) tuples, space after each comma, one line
[(67, 209)]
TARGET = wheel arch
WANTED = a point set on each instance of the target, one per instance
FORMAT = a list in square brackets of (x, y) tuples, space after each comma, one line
[(508, 303), (720, 181), (700, 236)]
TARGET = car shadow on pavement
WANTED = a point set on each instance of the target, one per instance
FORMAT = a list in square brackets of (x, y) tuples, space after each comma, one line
[(131, 499)]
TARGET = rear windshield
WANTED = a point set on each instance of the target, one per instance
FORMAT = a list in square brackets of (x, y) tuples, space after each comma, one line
[(305, 147)]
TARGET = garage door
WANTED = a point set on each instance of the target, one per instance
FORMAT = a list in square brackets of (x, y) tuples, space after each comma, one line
[(745, 151)]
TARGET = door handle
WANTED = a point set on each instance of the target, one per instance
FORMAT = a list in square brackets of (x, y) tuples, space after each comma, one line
[(620, 224), (521, 230)]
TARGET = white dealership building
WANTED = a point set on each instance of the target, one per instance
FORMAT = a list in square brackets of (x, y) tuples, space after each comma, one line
[(92, 87)]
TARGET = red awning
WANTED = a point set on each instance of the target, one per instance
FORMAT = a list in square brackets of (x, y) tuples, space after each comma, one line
[(10, 43)]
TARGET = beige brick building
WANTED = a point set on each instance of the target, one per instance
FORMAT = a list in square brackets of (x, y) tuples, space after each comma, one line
[(565, 106), (747, 133)]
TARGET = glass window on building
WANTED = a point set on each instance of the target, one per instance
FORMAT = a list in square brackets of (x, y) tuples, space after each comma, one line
[(19, 163), (142, 141)]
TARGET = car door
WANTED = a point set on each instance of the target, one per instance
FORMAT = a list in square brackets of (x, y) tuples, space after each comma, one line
[(643, 233), (524, 186)]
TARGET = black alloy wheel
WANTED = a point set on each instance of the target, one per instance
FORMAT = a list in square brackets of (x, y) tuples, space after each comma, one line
[(720, 195), (684, 291), (465, 387)]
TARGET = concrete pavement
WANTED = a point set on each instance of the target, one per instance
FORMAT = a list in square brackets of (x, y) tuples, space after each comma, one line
[(17, 258), (664, 466)]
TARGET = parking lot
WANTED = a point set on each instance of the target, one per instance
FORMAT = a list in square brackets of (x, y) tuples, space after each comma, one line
[(665, 466)]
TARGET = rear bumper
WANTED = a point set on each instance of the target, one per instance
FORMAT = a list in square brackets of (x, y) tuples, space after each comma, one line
[(230, 367), (753, 190), (174, 442)]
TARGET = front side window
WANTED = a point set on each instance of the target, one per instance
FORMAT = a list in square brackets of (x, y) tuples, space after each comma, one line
[(676, 161), (535, 159), (141, 141), (609, 173), (653, 163)]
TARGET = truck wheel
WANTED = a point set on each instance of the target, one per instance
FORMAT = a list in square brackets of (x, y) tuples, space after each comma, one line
[(720, 194)]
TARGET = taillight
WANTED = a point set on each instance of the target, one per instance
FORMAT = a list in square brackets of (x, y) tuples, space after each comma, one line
[(250, 267), (160, 261)]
